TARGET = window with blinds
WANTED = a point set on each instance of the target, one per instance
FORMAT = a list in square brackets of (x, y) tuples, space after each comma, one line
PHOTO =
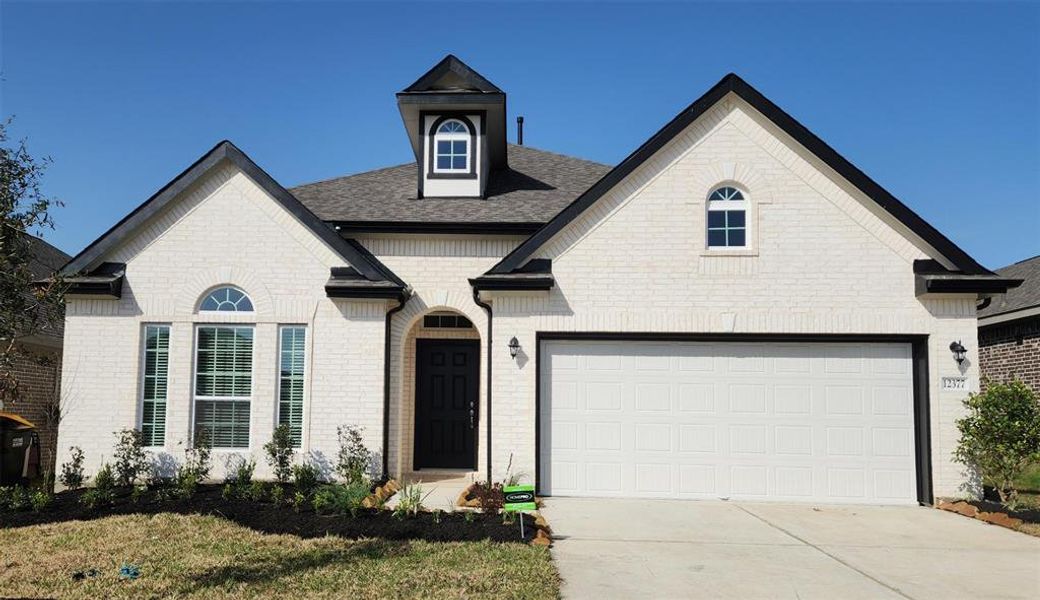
[(155, 373), (290, 381), (223, 385)]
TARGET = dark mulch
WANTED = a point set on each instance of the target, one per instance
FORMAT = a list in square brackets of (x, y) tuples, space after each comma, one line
[(269, 518), (991, 503)]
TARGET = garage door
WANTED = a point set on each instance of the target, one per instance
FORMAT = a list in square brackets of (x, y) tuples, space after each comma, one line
[(822, 422)]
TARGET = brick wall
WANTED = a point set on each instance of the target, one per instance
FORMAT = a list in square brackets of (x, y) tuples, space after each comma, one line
[(1011, 350), (39, 383)]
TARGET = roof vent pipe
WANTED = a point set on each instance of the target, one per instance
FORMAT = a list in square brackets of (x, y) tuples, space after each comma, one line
[(519, 131)]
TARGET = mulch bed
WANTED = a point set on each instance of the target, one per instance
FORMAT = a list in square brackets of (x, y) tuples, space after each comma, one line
[(990, 510), (282, 519)]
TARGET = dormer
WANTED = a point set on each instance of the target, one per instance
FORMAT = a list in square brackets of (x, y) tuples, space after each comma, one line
[(456, 122)]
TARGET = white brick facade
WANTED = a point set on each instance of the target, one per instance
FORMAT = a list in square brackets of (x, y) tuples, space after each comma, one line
[(823, 259)]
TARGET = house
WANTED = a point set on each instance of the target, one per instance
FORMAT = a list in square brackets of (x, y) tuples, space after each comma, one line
[(1009, 328), (37, 363), (734, 310)]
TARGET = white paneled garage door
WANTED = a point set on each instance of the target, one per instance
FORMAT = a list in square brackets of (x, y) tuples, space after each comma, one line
[(823, 422)]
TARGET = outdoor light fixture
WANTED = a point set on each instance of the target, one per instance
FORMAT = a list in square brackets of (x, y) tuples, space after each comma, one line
[(514, 347), (958, 351)]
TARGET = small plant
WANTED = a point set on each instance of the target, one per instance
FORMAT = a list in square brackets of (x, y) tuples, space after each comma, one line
[(280, 452), (196, 459), (306, 477), (185, 483), (410, 500), (131, 461), (256, 491), (227, 493), (105, 481), (72, 471), (90, 498), (324, 499), (437, 513), (40, 500), (137, 493), (242, 474), (14, 498), (509, 518), (277, 495), (1000, 436), (468, 516), (354, 457), (298, 500)]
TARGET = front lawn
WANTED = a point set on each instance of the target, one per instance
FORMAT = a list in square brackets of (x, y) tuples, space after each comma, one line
[(207, 556)]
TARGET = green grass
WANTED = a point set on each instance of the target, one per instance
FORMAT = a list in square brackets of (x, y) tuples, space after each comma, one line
[(208, 557), (1029, 480)]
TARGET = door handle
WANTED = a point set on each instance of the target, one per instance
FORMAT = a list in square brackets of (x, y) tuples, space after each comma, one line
[(472, 415)]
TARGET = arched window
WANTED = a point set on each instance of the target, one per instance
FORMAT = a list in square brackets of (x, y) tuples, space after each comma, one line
[(451, 141), (226, 299), (727, 218)]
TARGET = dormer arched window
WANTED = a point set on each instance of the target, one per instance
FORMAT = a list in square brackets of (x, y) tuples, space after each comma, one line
[(226, 299), (727, 218), (452, 147)]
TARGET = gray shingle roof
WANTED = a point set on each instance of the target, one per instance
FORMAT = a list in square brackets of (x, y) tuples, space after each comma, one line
[(537, 185), (46, 261), (1024, 296)]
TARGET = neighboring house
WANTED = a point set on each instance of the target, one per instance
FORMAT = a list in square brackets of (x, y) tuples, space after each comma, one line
[(39, 375), (1009, 328), (734, 310)]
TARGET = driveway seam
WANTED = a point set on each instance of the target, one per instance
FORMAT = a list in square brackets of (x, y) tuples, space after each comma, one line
[(826, 553)]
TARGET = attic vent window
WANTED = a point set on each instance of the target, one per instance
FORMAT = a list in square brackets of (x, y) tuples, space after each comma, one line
[(452, 143), (226, 299)]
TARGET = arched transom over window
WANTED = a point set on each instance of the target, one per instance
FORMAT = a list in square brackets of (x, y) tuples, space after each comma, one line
[(452, 147), (727, 218), (226, 299)]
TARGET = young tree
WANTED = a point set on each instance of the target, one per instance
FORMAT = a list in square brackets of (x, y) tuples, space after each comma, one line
[(26, 308), (1000, 435)]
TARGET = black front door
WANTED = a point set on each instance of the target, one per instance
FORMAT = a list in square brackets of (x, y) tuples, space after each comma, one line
[(447, 374)]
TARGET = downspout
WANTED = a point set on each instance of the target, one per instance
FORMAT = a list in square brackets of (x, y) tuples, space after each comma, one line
[(490, 329), (386, 382)]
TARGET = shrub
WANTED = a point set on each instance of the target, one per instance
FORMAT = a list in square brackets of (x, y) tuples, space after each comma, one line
[(137, 493), (72, 471), (105, 481), (256, 491), (340, 498), (410, 500), (242, 474), (196, 463), (227, 492), (280, 452), (353, 458), (306, 477), (131, 461), (1000, 435), (40, 500), (298, 500), (90, 499), (277, 494), (14, 498)]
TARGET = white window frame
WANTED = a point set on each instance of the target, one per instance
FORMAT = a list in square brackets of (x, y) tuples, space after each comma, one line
[(278, 389), (724, 206), (454, 136), (217, 288), (143, 348), (194, 382)]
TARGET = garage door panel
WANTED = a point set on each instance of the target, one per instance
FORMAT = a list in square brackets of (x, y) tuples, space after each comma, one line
[(830, 422)]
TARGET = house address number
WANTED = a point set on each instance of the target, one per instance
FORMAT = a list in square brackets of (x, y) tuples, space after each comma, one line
[(954, 384)]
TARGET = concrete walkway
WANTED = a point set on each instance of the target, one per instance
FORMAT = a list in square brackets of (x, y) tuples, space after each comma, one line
[(713, 549)]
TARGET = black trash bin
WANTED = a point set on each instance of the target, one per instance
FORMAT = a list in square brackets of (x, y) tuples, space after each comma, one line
[(19, 450)]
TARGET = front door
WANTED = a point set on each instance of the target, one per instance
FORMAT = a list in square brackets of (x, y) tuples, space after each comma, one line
[(447, 374)]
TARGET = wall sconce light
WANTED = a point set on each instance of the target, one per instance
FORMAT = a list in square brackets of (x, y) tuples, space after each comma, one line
[(514, 347), (958, 351)]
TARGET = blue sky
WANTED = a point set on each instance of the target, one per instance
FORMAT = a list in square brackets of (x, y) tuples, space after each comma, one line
[(940, 103)]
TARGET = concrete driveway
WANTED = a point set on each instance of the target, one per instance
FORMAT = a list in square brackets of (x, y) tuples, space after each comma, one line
[(707, 549)]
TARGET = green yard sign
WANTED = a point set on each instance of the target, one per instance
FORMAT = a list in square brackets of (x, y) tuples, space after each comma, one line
[(518, 498)]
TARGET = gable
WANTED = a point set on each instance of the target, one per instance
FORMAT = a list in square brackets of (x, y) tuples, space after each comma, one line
[(223, 155), (912, 226)]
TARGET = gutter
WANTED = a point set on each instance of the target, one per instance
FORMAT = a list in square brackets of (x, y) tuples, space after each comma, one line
[(490, 330), (386, 382)]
